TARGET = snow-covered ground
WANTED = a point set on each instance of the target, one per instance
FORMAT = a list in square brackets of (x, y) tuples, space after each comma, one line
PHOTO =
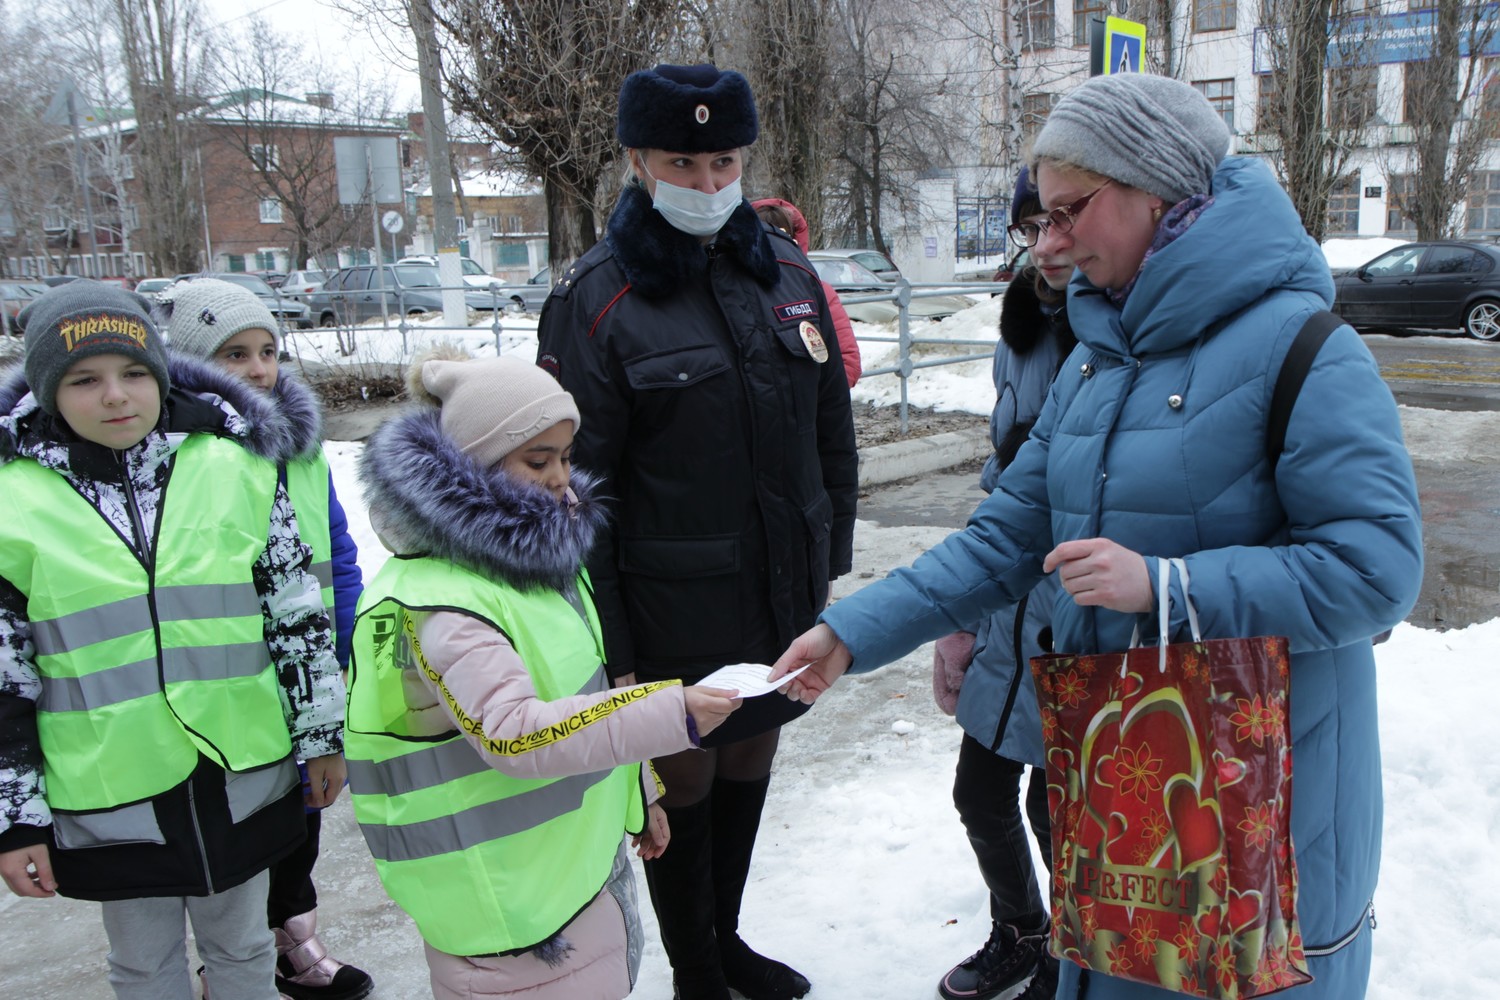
[(863, 878)]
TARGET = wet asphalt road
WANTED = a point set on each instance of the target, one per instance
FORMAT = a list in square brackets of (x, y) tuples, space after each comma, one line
[(1460, 499)]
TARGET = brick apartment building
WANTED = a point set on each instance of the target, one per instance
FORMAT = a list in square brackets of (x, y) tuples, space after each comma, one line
[(258, 159)]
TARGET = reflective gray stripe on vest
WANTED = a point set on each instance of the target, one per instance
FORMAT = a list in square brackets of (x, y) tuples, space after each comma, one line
[(55, 636), (324, 573), (137, 680), (425, 768), (104, 687), (596, 684), (480, 824), (213, 663)]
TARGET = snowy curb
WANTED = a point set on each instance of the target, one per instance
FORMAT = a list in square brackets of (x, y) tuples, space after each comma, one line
[(886, 463)]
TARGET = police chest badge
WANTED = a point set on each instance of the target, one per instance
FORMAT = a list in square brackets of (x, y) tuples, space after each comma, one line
[(813, 341)]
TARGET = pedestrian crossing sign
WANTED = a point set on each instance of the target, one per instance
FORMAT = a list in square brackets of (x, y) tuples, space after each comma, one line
[(1124, 45)]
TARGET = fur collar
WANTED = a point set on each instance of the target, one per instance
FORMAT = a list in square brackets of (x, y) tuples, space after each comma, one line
[(427, 497), (303, 412), (658, 260), (1025, 321), (203, 399)]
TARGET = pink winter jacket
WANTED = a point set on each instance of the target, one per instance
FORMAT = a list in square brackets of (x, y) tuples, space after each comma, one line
[(842, 328), (491, 684)]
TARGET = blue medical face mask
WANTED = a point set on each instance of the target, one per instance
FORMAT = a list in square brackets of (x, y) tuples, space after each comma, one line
[(690, 210)]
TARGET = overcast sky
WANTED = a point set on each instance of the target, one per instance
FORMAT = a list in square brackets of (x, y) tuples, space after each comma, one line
[(337, 36)]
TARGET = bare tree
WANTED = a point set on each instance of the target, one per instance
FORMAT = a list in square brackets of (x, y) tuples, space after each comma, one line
[(91, 42), (542, 78), (287, 143), (787, 46), (1448, 145), (36, 174), (1316, 139), (160, 42), (894, 121)]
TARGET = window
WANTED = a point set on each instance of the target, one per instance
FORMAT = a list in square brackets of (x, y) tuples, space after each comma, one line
[(1451, 260), (265, 260), (1038, 24), (130, 216), (1421, 86), (1402, 260), (53, 219), (1083, 11), (1034, 111), (1267, 103), (1351, 96), (1220, 94), (127, 167), (270, 210), (1343, 206), (264, 157), (515, 224), (1400, 188), (1488, 86), (235, 262), (1213, 15), (1484, 202)]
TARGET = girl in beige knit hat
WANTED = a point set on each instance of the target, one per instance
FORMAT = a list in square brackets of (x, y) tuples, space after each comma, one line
[(494, 771)]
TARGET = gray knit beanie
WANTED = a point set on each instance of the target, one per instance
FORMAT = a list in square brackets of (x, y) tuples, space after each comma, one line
[(202, 313), (82, 319), (492, 406), (1150, 132)]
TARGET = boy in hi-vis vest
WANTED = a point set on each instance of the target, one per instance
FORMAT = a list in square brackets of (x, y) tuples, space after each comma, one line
[(493, 769), (165, 657), (228, 325)]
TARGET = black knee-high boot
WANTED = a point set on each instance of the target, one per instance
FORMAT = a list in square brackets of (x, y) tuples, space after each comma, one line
[(737, 807), (681, 885)]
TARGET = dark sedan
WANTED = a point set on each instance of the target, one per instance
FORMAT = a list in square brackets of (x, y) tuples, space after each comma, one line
[(1442, 285)]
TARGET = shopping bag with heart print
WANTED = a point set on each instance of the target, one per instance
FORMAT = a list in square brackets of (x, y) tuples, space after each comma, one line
[(1169, 774)]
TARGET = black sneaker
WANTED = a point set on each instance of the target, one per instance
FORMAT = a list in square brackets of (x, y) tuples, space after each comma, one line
[(999, 970)]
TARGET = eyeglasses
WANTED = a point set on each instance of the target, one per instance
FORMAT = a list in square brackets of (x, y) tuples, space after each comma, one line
[(1026, 234)]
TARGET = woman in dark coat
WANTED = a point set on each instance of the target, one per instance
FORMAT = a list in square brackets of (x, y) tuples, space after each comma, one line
[(699, 347)]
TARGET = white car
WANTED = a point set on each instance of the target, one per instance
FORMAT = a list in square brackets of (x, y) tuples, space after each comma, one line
[(474, 275)]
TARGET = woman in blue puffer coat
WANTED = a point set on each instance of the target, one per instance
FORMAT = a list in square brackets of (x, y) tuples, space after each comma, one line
[(1195, 276)]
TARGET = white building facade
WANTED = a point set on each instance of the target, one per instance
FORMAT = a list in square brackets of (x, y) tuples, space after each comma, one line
[(1226, 49)]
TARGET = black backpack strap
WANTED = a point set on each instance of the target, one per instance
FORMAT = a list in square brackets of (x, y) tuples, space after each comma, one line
[(1293, 373)]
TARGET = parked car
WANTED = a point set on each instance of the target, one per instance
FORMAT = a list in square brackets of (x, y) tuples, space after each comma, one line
[(148, 287), (876, 261), (531, 294), (1014, 266), (1438, 285), (474, 275), (272, 278), (847, 275), (53, 280), (300, 284), (15, 296), (289, 311), (353, 294)]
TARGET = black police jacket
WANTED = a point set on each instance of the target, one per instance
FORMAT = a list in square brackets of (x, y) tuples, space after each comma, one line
[(726, 446)]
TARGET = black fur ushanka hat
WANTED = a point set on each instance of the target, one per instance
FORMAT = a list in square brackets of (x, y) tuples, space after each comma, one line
[(686, 109)]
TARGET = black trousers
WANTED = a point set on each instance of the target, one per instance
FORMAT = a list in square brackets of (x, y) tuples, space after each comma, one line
[(987, 793), (292, 892)]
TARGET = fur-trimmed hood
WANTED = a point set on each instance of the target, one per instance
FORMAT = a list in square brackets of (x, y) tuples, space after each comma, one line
[(1024, 320), (203, 398), (426, 497), (658, 259), (299, 406)]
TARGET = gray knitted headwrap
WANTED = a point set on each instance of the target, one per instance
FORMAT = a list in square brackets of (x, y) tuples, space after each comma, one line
[(1150, 132)]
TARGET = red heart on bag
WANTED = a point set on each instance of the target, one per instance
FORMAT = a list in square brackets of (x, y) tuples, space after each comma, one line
[(1244, 910), (1231, 769), (1196, 825)]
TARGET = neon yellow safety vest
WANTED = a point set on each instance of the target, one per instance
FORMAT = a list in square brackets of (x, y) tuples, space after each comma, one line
[(145, 665), (307, 488), (484, 863)]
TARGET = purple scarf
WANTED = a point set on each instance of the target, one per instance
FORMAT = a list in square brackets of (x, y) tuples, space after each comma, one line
[(1173, 224)]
